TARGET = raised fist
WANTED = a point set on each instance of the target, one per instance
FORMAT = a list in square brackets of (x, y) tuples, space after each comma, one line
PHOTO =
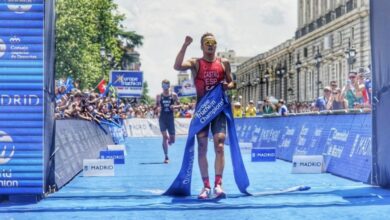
[(188, 40)]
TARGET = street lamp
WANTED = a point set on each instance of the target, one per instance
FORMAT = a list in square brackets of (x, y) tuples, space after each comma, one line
[(102, 55), (350, 53), (280, 74), (318, 59), (298, 66)]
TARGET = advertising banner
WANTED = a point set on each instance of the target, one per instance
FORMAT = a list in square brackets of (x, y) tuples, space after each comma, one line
[(187, 88), (344, 140), (21, 96), (127, 83)]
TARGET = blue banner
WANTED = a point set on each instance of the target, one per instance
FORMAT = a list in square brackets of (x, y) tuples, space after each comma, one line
[(187, 88), (21, 97), (344, 140), (127, 83)]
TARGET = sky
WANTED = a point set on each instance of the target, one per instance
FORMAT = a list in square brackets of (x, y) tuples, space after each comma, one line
[(249, 27)]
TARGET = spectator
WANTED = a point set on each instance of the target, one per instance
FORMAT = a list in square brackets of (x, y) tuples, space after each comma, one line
[(337, 101), (352, 92), (237, 110), (333, 85), (322, 101), (250, 110), (282, 108), (268, 107)]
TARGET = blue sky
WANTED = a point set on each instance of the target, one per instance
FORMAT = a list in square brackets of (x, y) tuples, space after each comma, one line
[(249, 27)]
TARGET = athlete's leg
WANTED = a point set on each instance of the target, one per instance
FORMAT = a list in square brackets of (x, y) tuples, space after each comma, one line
[(165, 144), (203, 164), (171, 131), (219, 141), (202, 153), (218, 129), (171, 139)]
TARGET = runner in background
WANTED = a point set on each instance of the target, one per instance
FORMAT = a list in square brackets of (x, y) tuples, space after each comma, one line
[(167, 102), (208, 72)]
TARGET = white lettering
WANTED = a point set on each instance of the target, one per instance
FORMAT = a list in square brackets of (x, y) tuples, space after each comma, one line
[(18, 100)]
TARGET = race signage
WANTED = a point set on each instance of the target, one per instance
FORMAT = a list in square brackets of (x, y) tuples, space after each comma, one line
[(127, 83), (187, 88), (263, 154), (308, 164), (119, 147), (117, 155), (98, 167), (21, 96)]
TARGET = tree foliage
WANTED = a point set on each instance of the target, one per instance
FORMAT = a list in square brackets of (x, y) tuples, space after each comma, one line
[(83, 27)]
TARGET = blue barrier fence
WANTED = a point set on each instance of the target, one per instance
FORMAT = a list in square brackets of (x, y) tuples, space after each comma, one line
[(344, 140)]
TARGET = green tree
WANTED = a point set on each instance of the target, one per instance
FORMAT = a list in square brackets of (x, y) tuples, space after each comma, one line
[(83, 27), (145, 98)]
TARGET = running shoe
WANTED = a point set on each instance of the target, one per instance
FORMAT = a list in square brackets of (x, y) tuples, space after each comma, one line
[(166, 160), (218, 192), (205, 193)]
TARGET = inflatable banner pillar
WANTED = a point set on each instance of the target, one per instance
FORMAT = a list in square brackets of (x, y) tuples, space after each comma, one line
[(26, 96), (380, 44)]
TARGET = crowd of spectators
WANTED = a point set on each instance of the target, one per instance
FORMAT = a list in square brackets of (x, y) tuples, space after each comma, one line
[(90, 105), (74, 103), (355, 94)]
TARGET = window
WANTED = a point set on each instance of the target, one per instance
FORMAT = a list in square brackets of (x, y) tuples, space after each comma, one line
[(340, 38), (305, 52), (353, 33)]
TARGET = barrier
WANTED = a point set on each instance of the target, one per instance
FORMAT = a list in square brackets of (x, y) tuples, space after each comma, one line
[(144, 127), (344, 140), (76, 140)]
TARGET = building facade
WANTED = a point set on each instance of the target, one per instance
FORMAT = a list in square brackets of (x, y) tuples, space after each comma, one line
[(331, 39)]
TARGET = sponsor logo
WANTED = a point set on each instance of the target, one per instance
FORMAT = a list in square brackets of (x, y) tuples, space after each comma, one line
[(308, 164), (15, 40), (101, 167), (3, 48), (20, 9), (5, 157)]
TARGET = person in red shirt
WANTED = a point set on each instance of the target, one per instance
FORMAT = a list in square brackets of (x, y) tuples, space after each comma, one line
[(207, 72)]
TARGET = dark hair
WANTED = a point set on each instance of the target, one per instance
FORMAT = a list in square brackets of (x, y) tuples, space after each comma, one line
[(207, 34)]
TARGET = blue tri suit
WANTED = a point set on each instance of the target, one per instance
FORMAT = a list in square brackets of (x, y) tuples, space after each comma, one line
[(166, 119)]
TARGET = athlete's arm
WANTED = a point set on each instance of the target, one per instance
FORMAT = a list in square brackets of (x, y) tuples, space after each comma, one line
[(229, 84), (180, 64), (176, 101)]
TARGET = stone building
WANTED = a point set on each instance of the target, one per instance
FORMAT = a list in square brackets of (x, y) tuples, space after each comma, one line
[(332, 38)]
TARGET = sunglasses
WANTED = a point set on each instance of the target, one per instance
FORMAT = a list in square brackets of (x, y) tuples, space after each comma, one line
[(352, 77), (335, 93), (333, 85), (210, 42)]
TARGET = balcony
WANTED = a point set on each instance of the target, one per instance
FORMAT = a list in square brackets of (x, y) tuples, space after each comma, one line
[(327, 18)]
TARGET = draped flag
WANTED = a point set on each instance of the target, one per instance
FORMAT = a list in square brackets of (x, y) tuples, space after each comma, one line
[(208, 108), (101, 86), (69, 85)]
